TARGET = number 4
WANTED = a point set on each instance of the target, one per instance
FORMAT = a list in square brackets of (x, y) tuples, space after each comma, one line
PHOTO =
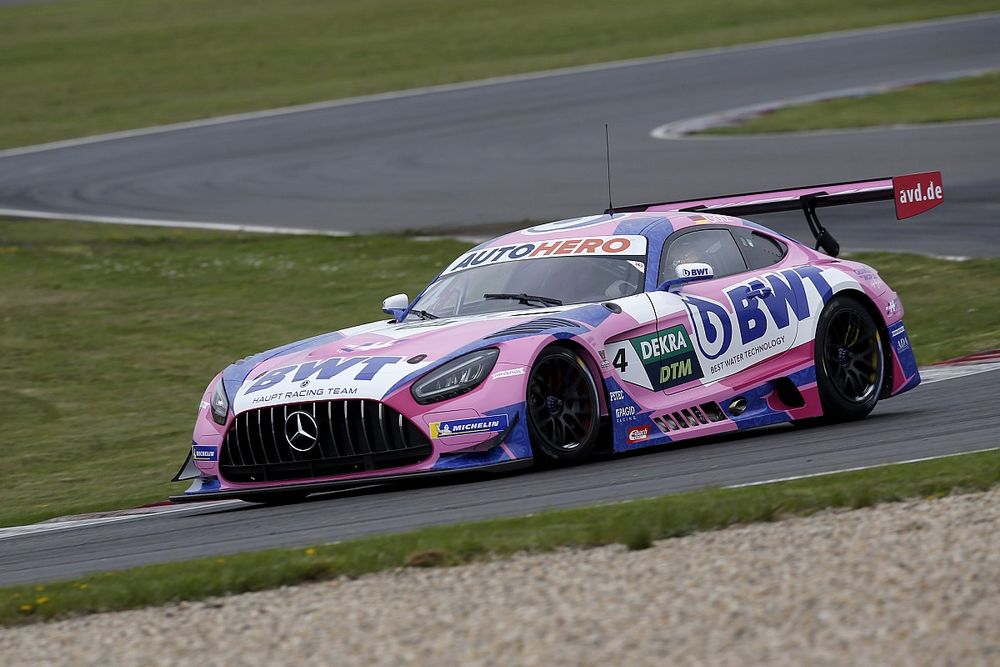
[(619, 361)]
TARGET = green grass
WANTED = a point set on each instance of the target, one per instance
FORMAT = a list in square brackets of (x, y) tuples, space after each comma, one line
[(971, 98), (73, 68), (110, 334), (634, 524)]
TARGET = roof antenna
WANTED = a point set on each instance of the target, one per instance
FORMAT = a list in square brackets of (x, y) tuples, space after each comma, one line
[(607, 145)]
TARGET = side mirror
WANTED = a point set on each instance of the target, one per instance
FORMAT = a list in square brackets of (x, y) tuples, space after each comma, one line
[(395, 305), (688, 273)]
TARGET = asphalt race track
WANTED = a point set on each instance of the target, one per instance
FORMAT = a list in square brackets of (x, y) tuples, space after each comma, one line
[(533, 149), (932, 420)]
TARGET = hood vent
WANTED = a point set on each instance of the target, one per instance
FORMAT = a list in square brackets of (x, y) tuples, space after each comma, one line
[(541, 325)]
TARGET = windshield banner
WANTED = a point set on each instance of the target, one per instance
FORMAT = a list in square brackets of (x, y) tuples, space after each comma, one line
[(617, 246)]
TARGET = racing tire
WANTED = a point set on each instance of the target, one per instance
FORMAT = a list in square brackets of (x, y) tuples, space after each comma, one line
[(850, 360), (564, 415)]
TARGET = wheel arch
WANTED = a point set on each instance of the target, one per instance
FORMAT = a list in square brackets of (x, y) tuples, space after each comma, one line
[(590, 359)]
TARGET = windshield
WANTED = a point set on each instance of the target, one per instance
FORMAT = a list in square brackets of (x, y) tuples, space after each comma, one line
[(531, 284)]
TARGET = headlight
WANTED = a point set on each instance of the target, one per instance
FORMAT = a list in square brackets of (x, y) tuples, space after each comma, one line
[(456, 377), (220, 403)]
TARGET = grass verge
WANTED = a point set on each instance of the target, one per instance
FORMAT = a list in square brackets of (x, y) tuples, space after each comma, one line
[(111, 333), (634, 524), (118, 64), (971, 98)]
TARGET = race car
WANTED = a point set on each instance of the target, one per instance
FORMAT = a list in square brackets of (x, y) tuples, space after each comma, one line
[(638, 327)]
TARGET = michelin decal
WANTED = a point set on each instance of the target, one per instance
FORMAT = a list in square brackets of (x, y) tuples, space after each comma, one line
[(470, 426)]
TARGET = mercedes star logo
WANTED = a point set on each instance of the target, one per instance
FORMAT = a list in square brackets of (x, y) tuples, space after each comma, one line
[(301, 431)]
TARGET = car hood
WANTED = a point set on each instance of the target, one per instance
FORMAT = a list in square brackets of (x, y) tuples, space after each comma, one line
[(375, 359)]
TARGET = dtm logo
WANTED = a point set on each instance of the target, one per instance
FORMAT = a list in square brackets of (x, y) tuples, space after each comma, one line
[(205, 453), (471, 426), (782, 297), (366, 368), (638, 434)]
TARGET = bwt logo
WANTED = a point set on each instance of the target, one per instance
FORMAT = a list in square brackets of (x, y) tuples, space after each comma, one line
[(786, 298), (367, 369), (692, 273)]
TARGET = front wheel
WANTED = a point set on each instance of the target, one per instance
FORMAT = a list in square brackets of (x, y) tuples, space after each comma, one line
[(563, 408), (850, 360)]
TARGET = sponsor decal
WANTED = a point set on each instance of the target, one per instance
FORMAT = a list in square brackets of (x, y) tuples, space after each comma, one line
[(363, 369), (753, 321), (471, 426), (695, 271), (596, 245), (916, 193), (625, 414), (891, 307), (901, 346), (616, 396), (512, 372), (760, 319), (638, 434), (303, 394), (666, 358), (205, 453), (204, 406), (900, 341)]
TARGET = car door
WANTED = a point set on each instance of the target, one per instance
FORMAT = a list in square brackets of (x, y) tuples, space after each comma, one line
[(745, 314)]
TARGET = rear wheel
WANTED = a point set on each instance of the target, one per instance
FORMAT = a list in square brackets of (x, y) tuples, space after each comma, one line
[(850, 360), (563, 408)]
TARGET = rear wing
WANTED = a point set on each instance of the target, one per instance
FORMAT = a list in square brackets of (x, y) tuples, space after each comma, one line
[(912, 193)]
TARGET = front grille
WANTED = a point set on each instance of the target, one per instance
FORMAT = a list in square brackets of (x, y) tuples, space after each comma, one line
[(352, 436)]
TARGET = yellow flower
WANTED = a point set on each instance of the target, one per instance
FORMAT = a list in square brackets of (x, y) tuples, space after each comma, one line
[(310, 551), (220, 560), (41, 600), (84, 586), (25, 608), (39, 588)]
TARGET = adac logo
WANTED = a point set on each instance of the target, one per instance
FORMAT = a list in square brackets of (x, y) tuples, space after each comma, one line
[(638, 434), (776, 298)]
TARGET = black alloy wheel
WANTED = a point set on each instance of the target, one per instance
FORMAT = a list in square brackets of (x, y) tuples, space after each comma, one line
[(563, 408), (850, 360)]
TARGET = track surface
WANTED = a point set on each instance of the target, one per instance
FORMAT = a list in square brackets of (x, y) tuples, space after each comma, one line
[(932, 420), (534, 149)]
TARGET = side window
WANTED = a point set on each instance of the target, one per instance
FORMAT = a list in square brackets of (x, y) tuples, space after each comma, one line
[(759, 250), (715, 247)]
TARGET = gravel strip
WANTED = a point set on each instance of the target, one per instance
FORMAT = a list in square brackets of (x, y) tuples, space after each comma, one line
[(906, 583)]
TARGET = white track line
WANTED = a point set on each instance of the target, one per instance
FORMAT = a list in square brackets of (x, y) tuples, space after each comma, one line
[(933, 374), (685, 128), (493, 81), (869, 467), (183, 224), (66, 524)]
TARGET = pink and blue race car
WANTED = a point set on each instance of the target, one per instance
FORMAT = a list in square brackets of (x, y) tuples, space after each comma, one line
[(638, 327)]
